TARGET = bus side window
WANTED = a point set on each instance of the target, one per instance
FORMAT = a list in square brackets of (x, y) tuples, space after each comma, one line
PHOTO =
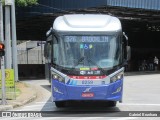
[(47, 49), (47, 55), (47, 46), (55, 50)]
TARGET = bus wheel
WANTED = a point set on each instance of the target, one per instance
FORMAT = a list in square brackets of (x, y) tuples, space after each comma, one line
[(60, 104), (112, 103)]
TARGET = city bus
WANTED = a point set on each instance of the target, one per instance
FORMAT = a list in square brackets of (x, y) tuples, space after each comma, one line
[(84, 58)]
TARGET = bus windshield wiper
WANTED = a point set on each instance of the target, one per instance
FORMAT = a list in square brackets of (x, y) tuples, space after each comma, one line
[(91, 61), (79, 61)]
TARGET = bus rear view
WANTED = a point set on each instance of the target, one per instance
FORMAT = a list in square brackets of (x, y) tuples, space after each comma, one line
[(84, 59)]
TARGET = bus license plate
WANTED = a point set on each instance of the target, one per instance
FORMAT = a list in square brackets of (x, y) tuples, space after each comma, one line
[(88, 94), (87, 82)]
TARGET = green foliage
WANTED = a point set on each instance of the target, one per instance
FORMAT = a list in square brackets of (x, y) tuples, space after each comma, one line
[(24, 3)]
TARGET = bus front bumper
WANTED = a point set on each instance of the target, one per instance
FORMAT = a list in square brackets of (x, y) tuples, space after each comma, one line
[(109, 92)]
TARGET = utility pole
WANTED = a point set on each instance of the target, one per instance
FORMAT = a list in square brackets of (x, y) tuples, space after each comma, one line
[(7, 35), (2, 58), (14, 41)]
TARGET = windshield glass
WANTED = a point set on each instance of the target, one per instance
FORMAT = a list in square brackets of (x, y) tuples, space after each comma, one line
[(87, 51)]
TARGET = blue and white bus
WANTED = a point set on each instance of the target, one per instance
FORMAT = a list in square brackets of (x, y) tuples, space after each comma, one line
[(85, 58)]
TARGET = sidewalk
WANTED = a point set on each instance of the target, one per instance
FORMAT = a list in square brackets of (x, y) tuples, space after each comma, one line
[(28, 94), (141, 73)]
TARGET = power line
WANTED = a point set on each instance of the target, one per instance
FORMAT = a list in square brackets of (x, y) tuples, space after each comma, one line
[(55, 8)]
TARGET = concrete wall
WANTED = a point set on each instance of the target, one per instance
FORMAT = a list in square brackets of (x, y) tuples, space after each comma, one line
[(28, 54), (31, 60)]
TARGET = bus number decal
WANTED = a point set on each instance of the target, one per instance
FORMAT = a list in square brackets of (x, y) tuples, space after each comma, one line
[(87, 82)]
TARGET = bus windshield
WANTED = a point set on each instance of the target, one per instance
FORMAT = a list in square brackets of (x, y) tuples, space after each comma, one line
[(87, 51)]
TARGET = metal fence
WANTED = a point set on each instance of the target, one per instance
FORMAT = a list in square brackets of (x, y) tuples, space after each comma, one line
[(143, 4)]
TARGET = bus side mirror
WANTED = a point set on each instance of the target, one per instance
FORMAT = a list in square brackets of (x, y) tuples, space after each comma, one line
[(128, 50)]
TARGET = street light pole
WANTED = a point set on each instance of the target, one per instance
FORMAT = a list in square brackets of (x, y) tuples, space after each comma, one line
[(7, 35), (14, 41), (3, 102)]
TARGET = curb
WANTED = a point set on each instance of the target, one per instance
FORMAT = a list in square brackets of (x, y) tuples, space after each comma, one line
[(18, 104), (5, 107), (21, 101)]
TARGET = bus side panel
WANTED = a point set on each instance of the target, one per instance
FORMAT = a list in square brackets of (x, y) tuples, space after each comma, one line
[(116, 91), (59, 92)]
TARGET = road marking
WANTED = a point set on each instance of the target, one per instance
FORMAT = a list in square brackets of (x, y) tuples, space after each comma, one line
[(44, 102), (125, 118), (33, 106), (71, 118), (52, 118), (108, 118)]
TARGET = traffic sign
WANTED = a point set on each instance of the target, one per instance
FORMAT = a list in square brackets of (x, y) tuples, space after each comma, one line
[(9, 77)]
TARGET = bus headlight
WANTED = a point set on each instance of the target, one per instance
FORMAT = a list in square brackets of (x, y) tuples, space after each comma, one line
[(55, 77), (116, 77), (58, 77)]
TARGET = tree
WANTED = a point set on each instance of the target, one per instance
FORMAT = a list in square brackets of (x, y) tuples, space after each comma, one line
[(24, 3)]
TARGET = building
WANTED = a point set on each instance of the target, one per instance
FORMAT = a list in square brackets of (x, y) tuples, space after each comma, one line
[(140, 20)]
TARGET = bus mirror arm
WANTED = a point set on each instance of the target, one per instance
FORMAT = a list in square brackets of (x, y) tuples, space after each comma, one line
[(54, 32), (126, 37)]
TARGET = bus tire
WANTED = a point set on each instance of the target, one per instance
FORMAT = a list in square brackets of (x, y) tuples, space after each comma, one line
[(112, 103), (60, 104)]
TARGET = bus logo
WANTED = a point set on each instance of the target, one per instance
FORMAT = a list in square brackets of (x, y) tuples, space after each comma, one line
[(87, 95), (87, 90)]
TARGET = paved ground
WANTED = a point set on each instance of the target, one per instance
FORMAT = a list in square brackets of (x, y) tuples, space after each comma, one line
[(141, 93)]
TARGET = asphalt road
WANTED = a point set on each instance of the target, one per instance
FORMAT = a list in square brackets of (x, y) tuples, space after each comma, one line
[(141, 93)]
